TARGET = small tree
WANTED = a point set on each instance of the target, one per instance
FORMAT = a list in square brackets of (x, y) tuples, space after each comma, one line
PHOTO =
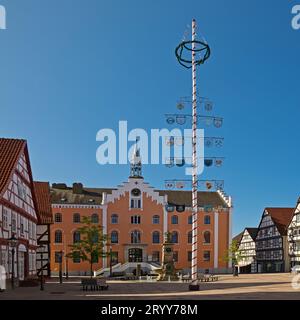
[(233, 254), (90, 247)]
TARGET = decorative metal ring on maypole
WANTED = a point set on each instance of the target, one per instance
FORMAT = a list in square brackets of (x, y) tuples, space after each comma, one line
[(203, 52)]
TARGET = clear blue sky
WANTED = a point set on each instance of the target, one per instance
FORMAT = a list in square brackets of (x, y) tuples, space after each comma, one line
[(69, 68)]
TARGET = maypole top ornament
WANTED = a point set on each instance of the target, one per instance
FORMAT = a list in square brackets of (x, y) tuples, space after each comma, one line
[(202, 51)]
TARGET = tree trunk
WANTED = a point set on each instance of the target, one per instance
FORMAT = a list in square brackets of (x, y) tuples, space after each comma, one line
[(91, 266)]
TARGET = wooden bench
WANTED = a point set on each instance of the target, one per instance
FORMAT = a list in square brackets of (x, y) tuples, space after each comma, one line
[(93, 284)]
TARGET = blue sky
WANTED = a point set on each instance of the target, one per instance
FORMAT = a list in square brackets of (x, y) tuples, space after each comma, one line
[(69, 68)]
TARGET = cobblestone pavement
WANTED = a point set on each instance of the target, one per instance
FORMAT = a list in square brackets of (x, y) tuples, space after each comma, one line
[(252, 286)]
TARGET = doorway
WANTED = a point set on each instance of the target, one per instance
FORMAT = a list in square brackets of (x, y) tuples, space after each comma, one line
[(135, 255)]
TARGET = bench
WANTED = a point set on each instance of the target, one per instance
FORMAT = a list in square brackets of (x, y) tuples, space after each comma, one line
[(207, 278), (93, 284)]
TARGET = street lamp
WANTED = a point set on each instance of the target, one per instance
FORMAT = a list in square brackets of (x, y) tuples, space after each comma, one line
[(110, 261), (42, 248), (13, 241)]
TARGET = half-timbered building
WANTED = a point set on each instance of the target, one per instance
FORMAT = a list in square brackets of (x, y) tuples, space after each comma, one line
[(18, 213), (294, 237), (272, 253), (247, 253), (42, 191)]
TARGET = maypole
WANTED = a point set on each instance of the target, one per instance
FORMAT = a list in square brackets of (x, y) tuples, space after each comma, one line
[(200, 52), (194, 160)]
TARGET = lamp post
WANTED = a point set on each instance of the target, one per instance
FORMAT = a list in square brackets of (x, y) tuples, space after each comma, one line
[(13, 241), (110, 261), (42, 248)]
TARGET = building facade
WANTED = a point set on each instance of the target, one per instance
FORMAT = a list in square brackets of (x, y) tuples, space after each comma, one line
[(45, 219), (18, 210), (136, 217), (294, 236), (272, 254), (247, 251)]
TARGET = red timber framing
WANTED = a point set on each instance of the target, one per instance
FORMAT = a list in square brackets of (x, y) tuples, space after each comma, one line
[(18, 209)]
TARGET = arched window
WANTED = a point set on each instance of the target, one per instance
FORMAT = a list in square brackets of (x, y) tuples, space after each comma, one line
[(114, 218), (135, 219), (206, 219), (58, 236), (135, 236), (206, 237), (190, 220), (174, 237), (155, 237), (58, 217), (174, 219), (76, 218), (95, 218), (76, 236), (190, 237), (155, 219), (114, 237)]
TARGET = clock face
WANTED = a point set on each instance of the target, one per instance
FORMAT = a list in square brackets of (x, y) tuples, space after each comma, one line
[(168, 250), (136, 192)]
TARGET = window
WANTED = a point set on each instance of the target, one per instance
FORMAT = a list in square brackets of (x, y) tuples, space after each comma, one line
[(135, 236), (206, 237), (22, 225), (76, 236), (175, 256), (30, 229), (174, 237), (114, 258), (58, 236), (5, 219), (58, 217), (206, 219), (136, 203), (155, 219), (114, 219), (189, 255), (155, 237), (135, 219), (95, 218), (190, 220), (76, 218), (76, 257), (14, 223), (190, 237), (155, 256), (206, 255), (174, 219), (114, 237), (58, 256)]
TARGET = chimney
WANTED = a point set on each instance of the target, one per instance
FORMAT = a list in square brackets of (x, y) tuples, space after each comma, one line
[(77, 188)]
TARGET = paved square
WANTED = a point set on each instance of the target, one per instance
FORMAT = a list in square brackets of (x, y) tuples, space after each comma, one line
[(252, 286)]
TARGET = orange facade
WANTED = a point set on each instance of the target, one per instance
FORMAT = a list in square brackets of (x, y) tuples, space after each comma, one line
[(136, 217)]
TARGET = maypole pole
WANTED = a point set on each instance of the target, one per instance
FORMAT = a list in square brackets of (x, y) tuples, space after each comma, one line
[(194, 161)]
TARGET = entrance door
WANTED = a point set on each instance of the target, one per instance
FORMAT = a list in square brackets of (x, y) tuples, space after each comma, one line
[(135, 255), (21, 264)]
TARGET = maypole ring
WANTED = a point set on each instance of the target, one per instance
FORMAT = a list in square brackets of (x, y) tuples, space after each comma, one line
[(203, 50)]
